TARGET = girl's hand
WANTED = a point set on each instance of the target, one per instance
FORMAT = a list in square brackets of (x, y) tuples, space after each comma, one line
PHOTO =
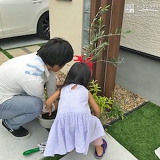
[(51, 100), (50, 112), (49, 109)]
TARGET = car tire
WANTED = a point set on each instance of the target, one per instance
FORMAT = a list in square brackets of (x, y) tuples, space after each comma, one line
[(43, 29)]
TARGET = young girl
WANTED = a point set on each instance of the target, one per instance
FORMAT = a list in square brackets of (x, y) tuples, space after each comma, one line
[(74, 126)]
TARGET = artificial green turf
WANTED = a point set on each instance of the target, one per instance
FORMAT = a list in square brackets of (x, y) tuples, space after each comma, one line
[(139, 132), (6, 53), (56, 157)]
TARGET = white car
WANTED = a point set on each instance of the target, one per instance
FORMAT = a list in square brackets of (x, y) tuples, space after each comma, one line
[(24, 17)]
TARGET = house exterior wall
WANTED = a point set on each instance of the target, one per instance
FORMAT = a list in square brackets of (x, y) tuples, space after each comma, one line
[(140, 75), (66, 21), (142, 17)]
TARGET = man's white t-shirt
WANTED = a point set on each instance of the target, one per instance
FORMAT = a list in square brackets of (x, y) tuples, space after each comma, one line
[(26, 74)]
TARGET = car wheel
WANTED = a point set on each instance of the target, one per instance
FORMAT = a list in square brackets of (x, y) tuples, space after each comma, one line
[(43, 30)]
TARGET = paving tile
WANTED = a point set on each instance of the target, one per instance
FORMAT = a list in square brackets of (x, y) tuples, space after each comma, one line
[(3, 58), (33, 48), (16, 52)]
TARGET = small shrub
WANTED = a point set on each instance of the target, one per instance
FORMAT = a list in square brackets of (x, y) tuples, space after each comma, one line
[(109, 108)]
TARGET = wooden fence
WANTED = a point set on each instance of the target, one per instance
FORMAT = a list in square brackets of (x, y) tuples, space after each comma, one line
[(105, 73)]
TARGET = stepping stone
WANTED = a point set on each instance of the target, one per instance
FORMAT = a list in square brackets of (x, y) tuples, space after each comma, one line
[(115, 151)]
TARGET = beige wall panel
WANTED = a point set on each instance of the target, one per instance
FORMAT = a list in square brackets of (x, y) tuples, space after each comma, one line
[(66, 18)]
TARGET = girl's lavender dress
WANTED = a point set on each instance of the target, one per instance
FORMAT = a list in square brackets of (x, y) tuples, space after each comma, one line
[(74, 126)]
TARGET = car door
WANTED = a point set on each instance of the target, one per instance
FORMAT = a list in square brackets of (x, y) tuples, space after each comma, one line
[(20, 16)]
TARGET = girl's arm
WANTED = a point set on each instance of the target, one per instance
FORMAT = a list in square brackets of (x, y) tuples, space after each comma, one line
[(51, 99), (94, 105)]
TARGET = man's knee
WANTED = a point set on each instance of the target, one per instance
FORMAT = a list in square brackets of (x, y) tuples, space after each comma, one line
[(37, 105)]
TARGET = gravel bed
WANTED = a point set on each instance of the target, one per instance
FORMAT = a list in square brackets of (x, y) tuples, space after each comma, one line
[(127, 102), (126, 99)]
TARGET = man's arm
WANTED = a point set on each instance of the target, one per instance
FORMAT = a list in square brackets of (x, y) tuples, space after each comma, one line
[(51, 83)]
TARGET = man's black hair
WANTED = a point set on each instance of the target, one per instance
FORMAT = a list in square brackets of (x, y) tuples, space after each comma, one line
[(56, 51), (79, 73)]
